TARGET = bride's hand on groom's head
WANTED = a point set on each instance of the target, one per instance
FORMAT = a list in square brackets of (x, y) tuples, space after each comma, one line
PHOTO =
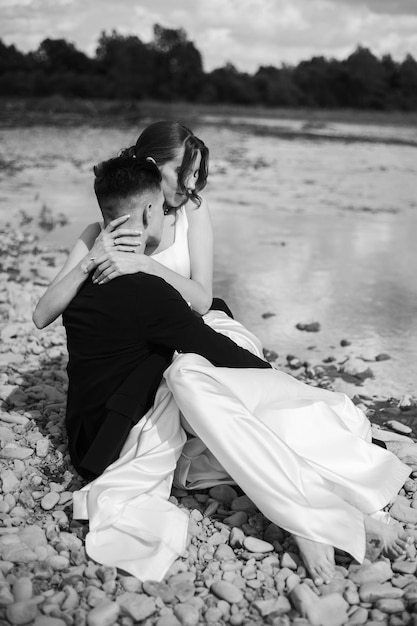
[(117, 263)]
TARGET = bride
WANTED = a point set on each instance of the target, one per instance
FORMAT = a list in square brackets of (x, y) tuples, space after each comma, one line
[(326, 491)]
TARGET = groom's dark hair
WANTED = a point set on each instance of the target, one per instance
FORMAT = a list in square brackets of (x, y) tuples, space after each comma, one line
[(122, 177)]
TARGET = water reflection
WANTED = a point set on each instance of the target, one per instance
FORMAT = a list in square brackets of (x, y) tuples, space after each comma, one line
[(311, 231)]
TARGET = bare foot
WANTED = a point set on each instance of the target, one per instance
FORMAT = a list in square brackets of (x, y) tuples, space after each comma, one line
[(318, 559), (387, 539)]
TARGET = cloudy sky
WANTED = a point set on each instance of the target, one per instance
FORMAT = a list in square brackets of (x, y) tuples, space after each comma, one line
[(247, 33)]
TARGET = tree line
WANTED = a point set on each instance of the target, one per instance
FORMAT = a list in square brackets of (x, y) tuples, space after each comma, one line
[(170, 68)]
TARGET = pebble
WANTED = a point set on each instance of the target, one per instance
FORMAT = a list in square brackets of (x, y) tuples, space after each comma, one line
[(226, 591), (406, 402), (390, 606), (187, 614), (104, 614), (224, 494), (399, 427), (243, 503), (404, 567), (288, 561), (236, 537), (45, 620), (42, 447), (358, 617), (236, 519), (18, 553), (58, 562), (32, 536), (403, 513), (10, 481), (257, 545), (328, 611), (6, 434), (50, 500), (6, 596), (15, 452), (224, 552), (371, 592), (356, 367), (168, 620), (21, 612), (277, 606), (138, 606), (378, 572), (312, 327), (22, 589)]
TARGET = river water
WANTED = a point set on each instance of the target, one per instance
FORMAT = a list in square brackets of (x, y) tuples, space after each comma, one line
[(316, 226)]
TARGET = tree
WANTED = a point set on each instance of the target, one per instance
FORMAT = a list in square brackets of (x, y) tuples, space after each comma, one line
[(365, 77), (166, 39), (58, 55), (128, 64), (276, 87), (179, 67), (407, 83)]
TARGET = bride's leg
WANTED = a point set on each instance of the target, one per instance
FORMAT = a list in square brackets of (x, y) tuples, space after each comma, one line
[(284, 487)]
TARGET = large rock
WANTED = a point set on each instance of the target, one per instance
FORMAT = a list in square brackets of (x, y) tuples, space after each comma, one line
[(276, 606), (224, 494), (403, 513), (328, 611), (137, 605), (226, 591), (21, 612), (187, 614), (104, 614), (32, 536), (243, 503), (18, 553), (371, 592), (253, 544), (378, 572)]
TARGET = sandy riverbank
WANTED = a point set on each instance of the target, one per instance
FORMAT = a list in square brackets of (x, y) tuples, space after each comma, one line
[(46, 578)]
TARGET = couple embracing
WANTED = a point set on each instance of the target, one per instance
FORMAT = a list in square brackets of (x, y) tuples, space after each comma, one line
[(163, 382)]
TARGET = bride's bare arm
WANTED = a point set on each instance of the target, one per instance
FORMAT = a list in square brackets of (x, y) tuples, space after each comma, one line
[(196, 290), (68, 280), (92, 243)]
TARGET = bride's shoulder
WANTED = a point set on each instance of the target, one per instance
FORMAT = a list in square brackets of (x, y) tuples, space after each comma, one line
[(197, 213)]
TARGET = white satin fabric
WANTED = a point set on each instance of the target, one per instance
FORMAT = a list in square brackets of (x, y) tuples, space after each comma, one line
[(177, 257), (302, 454)]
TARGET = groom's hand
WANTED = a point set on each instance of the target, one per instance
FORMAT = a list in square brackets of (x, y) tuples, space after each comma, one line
[(117, 263)]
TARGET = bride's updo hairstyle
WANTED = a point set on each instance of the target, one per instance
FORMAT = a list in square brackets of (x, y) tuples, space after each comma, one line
[(162, 141)]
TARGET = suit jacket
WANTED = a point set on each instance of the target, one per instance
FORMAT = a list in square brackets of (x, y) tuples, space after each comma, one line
[(121, 337)]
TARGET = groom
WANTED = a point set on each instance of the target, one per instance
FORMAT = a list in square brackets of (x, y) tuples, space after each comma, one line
[(121, 335)]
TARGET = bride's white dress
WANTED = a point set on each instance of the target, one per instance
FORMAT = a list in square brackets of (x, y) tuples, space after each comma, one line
[(302, 454)]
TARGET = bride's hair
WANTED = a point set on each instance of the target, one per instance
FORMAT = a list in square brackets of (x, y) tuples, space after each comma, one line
[(162, 140)]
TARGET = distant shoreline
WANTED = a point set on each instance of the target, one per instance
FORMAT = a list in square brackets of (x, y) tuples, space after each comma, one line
[(60, 111)]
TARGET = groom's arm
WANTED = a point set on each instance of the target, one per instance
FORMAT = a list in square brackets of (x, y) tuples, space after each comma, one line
[(175, 326)]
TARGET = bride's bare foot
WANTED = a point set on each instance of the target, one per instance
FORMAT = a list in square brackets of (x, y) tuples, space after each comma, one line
[(318, 559), (387, 539)]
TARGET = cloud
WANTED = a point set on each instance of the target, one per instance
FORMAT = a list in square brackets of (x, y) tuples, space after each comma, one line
[(247, 33), (385, 7)]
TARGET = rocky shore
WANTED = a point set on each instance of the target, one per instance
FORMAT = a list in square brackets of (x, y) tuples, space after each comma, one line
[(239, 568)]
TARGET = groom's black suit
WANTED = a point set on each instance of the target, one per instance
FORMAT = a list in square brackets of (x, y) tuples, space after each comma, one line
[(121, 337)]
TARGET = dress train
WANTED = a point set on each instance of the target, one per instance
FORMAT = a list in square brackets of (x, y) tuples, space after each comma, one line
[(272, 435)]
